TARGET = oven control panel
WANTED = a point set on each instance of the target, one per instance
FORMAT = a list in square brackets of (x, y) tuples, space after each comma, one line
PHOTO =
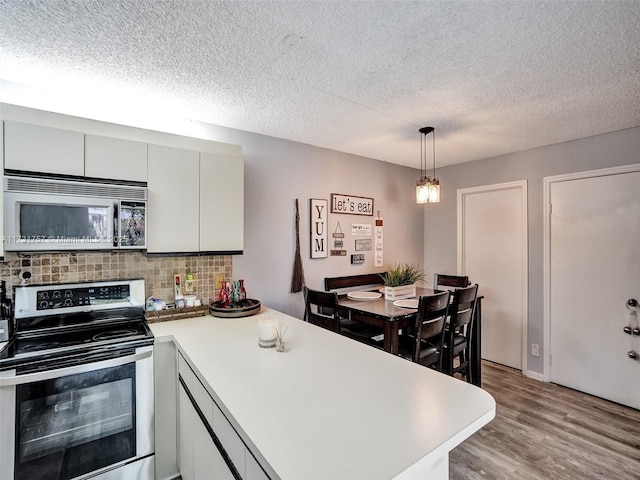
[(66, 298), (63, 298), (53, 298)]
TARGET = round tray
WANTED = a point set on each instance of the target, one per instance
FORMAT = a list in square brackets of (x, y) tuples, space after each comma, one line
[(243, 308)]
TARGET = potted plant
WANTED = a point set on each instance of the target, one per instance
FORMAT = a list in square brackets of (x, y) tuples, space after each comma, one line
[(400, 280)]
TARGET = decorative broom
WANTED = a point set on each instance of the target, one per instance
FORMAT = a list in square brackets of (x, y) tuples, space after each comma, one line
[(297, 278)]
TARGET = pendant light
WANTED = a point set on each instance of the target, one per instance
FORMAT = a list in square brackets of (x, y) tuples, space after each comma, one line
[(427, 188)]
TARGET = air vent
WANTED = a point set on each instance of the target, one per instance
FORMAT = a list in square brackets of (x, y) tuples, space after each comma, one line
[(74, 188)]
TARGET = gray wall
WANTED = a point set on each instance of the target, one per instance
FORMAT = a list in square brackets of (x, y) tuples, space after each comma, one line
[(613, 149), (279, 171)]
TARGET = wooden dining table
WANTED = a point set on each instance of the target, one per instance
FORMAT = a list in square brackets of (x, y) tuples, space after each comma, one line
[(391, 319)]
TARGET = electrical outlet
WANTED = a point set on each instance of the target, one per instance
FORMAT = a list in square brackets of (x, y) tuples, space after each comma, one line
[(535, 349), (218, 280)]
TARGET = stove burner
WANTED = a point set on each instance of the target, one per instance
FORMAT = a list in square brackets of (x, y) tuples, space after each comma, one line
[(127, 332)]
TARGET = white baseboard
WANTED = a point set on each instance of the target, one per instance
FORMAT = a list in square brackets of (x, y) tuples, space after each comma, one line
[(535, 375)]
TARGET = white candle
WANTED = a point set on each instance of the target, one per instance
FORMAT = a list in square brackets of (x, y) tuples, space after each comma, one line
[(267, 331)]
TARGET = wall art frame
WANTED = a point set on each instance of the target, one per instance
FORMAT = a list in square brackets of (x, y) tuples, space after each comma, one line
[(318, 226)]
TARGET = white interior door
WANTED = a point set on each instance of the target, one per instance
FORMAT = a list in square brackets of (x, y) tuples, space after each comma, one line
[(492, 251), (594, 267)]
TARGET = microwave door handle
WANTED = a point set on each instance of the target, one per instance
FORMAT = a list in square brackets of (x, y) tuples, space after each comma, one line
[(61, 372), (116, 226)]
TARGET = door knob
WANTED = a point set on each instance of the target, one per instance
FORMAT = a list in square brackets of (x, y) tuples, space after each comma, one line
[(632, 354)]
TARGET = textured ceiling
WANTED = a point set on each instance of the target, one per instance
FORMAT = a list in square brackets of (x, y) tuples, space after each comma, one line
[(362, 77)]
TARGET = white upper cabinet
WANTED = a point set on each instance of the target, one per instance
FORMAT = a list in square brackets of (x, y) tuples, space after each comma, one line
[(43, 149), (115, 158), (196, 201), (173, 215), (221, 203), (195, 186), (1, 193)]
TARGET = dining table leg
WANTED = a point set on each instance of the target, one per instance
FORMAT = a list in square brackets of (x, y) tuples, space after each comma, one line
[(475, 362), (391, 340)]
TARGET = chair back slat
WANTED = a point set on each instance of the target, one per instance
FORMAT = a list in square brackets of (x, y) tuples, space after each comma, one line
[(348, 283), (463, 306), (454, 281), (430, 322), (321, 308), (458, 339)]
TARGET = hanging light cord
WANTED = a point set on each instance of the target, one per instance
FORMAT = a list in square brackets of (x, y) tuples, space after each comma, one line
[(434, 153), (422, 155)]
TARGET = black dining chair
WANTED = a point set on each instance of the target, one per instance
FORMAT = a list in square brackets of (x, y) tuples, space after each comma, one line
[(321, 308), (457, 334), (450, 282), (423, 344)]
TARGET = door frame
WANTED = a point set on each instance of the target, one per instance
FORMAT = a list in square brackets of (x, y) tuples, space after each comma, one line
[(546, 232), (522, 186)]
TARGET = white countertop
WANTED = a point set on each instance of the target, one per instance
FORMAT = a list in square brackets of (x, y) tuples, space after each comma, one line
[(328, 407)]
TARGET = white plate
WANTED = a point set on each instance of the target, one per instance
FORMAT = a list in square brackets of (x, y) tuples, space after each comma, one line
[(409, 303), (363, 295)]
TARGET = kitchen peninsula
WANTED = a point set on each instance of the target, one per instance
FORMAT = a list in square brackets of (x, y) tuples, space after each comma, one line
[(326, 408)]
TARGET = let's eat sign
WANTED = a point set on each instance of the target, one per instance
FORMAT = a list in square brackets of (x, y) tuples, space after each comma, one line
[(351, 204)]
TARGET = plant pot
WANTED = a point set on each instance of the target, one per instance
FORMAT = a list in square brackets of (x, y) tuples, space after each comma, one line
[(400, 293)]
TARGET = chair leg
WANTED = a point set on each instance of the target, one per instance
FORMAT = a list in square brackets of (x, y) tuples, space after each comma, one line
[(465, 360)]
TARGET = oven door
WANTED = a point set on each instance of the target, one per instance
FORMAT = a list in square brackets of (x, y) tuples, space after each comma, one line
[(90, 420)]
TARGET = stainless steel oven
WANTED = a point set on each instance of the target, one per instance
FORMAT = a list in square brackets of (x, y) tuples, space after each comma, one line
[(76, 384)]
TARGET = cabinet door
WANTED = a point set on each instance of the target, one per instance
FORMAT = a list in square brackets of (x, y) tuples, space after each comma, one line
[(253, 469), (43, 149), (229, 439), (116, 158), (173, 202), (166, 408), (221, 203), (207, 460), (188, 418), (1, 192)]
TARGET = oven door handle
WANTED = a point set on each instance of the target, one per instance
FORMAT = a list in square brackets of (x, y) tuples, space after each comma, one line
[(86, 367)]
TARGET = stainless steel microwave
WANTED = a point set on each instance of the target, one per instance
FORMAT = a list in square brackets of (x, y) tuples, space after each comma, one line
[(54, 214)]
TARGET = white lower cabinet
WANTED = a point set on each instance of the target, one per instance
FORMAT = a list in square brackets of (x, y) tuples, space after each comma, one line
[(199, 457), (207, 459), (253, 470), (166, 403), (232, 443), (187, 419)]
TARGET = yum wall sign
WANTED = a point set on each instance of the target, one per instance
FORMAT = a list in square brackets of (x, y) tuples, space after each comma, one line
[(318, 214)]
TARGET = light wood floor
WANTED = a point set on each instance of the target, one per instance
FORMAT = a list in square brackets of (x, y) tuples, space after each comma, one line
[(544, 431)]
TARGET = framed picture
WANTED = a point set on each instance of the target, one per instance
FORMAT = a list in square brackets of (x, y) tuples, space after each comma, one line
[(357, 259), (318, 212), (364, 244)]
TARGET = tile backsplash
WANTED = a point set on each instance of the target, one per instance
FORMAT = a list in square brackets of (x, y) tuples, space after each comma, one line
[(87, 267)]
